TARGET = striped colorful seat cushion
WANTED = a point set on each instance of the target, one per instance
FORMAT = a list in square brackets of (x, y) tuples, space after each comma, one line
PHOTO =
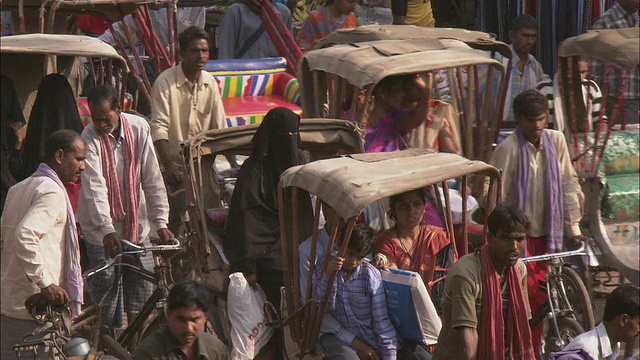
[(246, 110)]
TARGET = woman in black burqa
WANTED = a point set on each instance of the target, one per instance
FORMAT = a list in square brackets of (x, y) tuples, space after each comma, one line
[(55, 108), (253, 226)]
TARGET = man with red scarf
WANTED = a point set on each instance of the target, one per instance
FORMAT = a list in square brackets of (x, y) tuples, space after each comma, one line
[(539, 179), (486, 311)]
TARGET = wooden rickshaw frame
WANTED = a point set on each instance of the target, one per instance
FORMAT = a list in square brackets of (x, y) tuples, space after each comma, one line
[(348, 185), (619, 50), (51, 50), (406, 49), (321, 137)]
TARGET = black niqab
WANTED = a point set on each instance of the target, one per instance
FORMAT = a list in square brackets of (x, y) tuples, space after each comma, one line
[(55, 108)]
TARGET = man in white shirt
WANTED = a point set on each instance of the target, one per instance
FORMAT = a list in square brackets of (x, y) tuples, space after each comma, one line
[(538, 178), (186, 101), (39, 233), (620, 322), (122, 191)]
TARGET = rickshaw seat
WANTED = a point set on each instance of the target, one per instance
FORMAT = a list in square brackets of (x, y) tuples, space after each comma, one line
[(246, 110)]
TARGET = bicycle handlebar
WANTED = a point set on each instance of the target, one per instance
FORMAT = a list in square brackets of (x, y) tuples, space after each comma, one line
[(579, 251), (137, 249)]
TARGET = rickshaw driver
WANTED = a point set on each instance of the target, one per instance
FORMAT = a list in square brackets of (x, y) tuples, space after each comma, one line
[(486, 294), (539, 179)]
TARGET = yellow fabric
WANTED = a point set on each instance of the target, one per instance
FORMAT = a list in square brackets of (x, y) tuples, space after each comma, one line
[(419, 13)]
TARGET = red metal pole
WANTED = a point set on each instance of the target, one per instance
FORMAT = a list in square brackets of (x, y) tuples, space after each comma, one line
[(137, 79)]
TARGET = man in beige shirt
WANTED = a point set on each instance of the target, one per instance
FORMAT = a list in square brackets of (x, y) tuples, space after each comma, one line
[(538, 178), (39, 239), (186, 101)]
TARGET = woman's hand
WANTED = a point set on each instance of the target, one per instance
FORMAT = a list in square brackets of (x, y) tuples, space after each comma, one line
[(424, 84), (379, 261), (335, 265)]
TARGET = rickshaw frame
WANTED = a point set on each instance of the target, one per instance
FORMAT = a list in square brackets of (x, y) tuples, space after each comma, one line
[(619, 50), (56, 53), (363, 56), (348, 185)]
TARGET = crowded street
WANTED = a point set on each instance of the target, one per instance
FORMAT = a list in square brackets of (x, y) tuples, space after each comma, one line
[(320, 179)]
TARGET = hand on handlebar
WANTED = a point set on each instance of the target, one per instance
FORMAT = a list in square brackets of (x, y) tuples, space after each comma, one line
[(166, 237), (55, 294), (112, 245), (574, 242)]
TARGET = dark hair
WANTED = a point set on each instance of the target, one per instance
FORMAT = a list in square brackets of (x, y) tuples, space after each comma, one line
[(395, 199), (62, 139), (387, 84), (530, 104), (523, 22), (361, 239), (187, 294), (625, 299), (191, 33), (102, 93), (509, 219)]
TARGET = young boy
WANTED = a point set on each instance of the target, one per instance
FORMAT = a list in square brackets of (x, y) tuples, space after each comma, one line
[(620, 322), (357, 301)]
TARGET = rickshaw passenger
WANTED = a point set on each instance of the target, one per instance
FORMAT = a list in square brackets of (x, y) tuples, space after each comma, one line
[(623, 14), (11, 135), (358, 302), (591, 97), (409, 244), (252, 232), (412, 12), (486, 310), (242, 34), (186, 101), (539, 179), (337, 14)]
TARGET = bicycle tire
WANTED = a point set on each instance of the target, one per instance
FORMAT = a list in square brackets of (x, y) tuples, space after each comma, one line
[(581, 301), (114, 348), (569, 329)]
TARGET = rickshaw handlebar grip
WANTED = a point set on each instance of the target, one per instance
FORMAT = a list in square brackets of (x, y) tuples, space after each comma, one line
[(578, 251)]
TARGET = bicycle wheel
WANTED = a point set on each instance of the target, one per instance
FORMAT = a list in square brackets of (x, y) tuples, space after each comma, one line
[(568, 328), (578, 297)]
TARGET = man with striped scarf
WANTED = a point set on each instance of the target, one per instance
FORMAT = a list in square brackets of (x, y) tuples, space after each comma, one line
[(122, 197)]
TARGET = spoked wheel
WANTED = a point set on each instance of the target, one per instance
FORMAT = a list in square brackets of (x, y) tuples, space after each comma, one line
[(578, 297), (552, 342)]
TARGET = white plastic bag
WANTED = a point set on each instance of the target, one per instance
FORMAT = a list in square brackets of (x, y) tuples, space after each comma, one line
[(410, 307), (245, 307)]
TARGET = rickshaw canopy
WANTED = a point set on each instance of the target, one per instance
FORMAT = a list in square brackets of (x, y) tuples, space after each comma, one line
[(59, 45), (620, 47), (364, 64), (351, 183), (315, 134), (475, 39)]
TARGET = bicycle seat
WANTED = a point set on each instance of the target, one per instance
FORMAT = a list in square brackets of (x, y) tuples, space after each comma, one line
[(38, 303)]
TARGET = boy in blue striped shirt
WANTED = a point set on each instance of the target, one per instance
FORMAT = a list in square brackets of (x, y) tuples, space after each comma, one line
[(357, 301)]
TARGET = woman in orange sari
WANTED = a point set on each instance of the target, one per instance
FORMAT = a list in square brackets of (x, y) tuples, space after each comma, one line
[(409, 245)]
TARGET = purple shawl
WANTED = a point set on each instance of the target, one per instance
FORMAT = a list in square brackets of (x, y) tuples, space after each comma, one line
[(554, 199), (71, 278)]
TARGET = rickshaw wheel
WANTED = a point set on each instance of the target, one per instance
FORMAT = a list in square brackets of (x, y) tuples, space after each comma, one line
[(578, 297), (568, 328)]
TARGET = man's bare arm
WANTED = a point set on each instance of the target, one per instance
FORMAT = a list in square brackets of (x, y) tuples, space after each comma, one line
[(468, 343), (172, 174)]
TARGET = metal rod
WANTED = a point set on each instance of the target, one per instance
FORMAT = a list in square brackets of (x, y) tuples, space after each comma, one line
[(136, 55), (480, 129), (465, 220), (468, 118), (296, 254), (123, 51)]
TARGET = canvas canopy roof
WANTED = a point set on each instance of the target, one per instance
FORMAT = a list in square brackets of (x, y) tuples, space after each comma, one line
[(316, 135), (349, 184), (60, 45), (475, 39), (618, 46), (365, 64)]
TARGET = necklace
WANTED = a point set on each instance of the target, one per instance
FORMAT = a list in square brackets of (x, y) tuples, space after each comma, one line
[(404, 248)]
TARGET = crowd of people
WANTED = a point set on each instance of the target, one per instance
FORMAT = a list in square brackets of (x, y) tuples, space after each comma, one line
[(113, 175)]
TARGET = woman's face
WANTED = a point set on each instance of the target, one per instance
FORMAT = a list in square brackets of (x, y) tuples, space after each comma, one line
[(409, 210), (346, 7)]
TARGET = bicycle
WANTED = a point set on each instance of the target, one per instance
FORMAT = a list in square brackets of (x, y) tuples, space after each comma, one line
[(568, 305), (153, 311)]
